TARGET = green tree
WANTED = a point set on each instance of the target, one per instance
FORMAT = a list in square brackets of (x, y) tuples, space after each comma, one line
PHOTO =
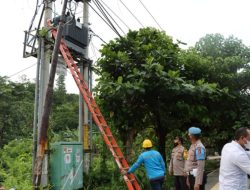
[(15, 164), (60, 90), (224, 61), (16, 108), (141, 86)]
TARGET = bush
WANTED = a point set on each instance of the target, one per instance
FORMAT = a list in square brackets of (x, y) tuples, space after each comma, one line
[(16, 164)]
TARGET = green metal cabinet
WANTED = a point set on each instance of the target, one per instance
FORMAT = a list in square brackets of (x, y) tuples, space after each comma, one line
[(66, 165)]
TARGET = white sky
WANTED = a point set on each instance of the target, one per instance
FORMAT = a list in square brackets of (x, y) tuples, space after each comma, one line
[(186, 20)]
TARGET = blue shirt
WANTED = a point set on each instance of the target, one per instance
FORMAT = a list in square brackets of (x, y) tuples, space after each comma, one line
[(153, 163)]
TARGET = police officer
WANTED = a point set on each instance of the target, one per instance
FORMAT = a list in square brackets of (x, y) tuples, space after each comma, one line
[(153, 163), (177, 163), (194, 166)]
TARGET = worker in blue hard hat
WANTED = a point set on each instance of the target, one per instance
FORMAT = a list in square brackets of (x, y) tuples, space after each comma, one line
[(194, 166), (153, 163)]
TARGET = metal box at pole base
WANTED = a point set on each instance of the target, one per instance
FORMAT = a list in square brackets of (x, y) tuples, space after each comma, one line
[(66, 166)]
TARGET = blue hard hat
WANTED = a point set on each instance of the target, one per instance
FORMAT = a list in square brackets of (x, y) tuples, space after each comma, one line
[(194, 131)]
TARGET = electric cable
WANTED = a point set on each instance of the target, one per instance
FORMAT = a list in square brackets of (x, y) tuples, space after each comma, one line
[(107, 18), (101, 17), (104, 10), (115, 14), (93, 50), (150, 14), (95, 35), (131, 13), (22, 70), (70, 8)]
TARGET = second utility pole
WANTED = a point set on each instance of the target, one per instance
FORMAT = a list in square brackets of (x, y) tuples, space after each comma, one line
[(83, 108)]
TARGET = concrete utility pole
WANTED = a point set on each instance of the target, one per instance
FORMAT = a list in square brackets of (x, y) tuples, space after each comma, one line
[(43, 138), (86, 79), (44, 78), (36, 106)]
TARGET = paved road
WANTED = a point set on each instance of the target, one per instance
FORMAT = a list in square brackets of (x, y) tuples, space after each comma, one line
[(212, 180)]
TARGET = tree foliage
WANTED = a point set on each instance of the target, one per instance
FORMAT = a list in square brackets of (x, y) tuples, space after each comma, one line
[(227, 65), (15, 165), (142, 83), (16, 108)]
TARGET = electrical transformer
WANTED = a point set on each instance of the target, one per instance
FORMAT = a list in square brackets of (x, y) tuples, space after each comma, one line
[(75, 34)]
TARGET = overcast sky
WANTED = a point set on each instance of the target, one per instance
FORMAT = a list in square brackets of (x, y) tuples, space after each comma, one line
[(186, 20)]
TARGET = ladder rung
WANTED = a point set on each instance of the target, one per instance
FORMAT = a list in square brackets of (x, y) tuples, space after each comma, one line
[(120, 157), (84, 86), (94, 106), (104, 125)]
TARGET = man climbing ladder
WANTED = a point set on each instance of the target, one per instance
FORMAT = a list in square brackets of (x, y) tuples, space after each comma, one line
[(99, 120), (153, 163)]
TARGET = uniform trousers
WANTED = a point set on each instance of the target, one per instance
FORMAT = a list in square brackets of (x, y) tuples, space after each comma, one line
[(191, 179), (180, 183)]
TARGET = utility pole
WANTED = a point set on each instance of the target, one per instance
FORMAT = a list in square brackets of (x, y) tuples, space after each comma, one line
[(36, 106), (43, 138), (85, 114), (44, 78)]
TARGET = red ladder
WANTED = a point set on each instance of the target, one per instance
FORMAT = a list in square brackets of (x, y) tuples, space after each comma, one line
[(99, 120)]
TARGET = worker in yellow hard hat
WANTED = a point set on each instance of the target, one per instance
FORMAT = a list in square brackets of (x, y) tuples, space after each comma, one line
[(153, 163)]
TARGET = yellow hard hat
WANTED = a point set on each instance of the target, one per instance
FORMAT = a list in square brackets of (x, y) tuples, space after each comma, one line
[(147, 143)]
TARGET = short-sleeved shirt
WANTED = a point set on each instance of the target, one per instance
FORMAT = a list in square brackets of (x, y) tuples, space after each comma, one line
[(177, 161), (196, 152)]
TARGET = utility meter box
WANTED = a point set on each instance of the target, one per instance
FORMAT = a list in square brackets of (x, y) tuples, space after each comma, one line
[(66, 165)]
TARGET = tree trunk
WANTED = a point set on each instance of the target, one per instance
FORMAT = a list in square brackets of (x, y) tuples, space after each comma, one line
[(127, 140), (161, 133), (1, 137)]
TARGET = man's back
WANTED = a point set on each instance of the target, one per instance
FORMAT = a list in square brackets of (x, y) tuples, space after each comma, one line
[(153, 163), (234, 167)]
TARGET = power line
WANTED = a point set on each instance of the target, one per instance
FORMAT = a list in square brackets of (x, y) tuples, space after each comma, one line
[(21, 71), (150, 14), (103, 11), (115, 14), (103, 18), (131, 13), (95, 35), (93, 50)]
